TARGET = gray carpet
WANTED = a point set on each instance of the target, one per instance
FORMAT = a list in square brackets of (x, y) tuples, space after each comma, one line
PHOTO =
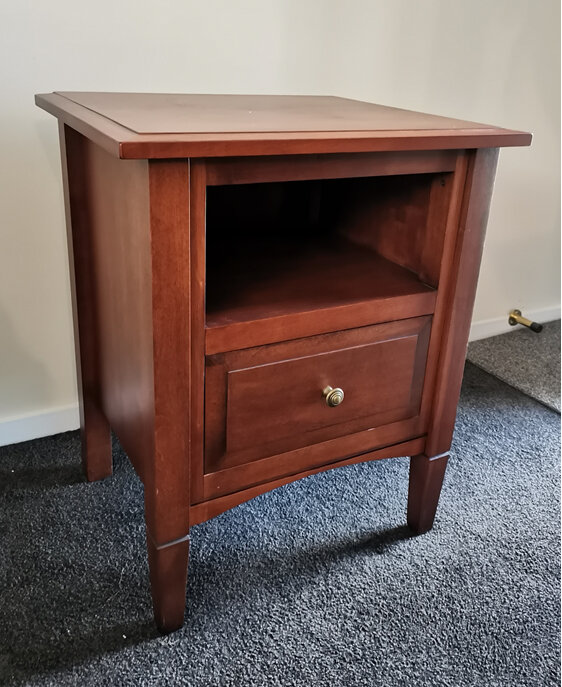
[(317, 583), (530, 362)]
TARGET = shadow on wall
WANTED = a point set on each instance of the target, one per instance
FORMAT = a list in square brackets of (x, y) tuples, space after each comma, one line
[(25, 383)]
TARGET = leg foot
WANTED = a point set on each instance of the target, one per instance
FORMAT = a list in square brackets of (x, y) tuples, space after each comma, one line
[(97, 461), (168, 579), (426, 478)]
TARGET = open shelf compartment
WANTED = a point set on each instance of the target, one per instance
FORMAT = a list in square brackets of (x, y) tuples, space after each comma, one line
[(293, 259)]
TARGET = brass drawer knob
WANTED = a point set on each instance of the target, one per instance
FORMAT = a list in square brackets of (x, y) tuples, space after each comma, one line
[(333, 396)]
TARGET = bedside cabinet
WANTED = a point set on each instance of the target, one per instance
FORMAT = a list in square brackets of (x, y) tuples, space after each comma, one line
[(265, 287)]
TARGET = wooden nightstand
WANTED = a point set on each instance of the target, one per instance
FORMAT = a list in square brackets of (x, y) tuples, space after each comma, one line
[(265, 287)]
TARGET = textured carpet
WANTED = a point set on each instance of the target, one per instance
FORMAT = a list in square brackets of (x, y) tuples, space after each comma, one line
[(530, 362), (317, 583)]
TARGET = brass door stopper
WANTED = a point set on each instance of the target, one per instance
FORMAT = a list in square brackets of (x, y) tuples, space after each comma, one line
[(515, 317)]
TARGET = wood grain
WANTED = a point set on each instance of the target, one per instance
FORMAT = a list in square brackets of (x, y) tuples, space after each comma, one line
[(197, 231), (132, 274), (94, 427), (387, 135), (291, 291), (447, 216), (168, 579), (209, 509), (266, 401), (390, 215), (286, 168), (253, 250), (167, 487), (261, 470), (177, 113), (426, 480), (459, 295), (117, 205), (167, 492)]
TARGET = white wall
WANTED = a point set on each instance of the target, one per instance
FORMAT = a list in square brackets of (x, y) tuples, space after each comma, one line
[(494, 61)]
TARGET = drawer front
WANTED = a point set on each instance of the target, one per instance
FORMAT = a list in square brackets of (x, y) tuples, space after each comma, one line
[(269, 400)]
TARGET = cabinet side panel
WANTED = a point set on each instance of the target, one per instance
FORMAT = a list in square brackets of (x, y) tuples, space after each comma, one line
[(116, 203), (387, 214), (461, 291)]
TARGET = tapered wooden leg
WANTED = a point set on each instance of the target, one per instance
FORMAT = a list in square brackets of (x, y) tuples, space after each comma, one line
[(97, 460), (426, 479), (168, 580)]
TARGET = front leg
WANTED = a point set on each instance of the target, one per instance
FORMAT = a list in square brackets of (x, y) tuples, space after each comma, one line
[(462, 251), (426, 479), (167, 475), (168, 579)]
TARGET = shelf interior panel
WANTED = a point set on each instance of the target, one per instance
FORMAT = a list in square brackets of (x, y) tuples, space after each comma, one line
[(285, 290)]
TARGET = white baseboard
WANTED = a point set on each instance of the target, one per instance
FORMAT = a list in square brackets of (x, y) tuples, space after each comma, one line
[(39, 424), (482, 329), (65, 418)]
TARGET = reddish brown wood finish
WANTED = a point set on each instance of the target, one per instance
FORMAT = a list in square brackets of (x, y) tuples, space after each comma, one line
[(115, 198), (400, 217), (164, 146), (177, 113), (132, 225), (442, 195), (168, 579), (324, 288), (215, 506), (388, 130), (261, 470), (445, 220), (277, 390), (198, 286), (458, 296), (94, 427), (167, 489), (361, 274), (426, 479), (311, 280), (282, 168)]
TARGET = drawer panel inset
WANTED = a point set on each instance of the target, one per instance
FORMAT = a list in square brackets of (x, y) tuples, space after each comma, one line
[(273, 399)]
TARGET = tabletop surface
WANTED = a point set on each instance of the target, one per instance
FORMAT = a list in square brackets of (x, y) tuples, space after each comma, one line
[(163, 113), (174, 125)]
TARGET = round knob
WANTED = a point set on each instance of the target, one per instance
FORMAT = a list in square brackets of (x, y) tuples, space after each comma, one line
[(333, 396)]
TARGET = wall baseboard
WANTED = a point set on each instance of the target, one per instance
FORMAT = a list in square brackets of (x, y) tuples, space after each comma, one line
[(65, 418), (482, 329), (39, 424)]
